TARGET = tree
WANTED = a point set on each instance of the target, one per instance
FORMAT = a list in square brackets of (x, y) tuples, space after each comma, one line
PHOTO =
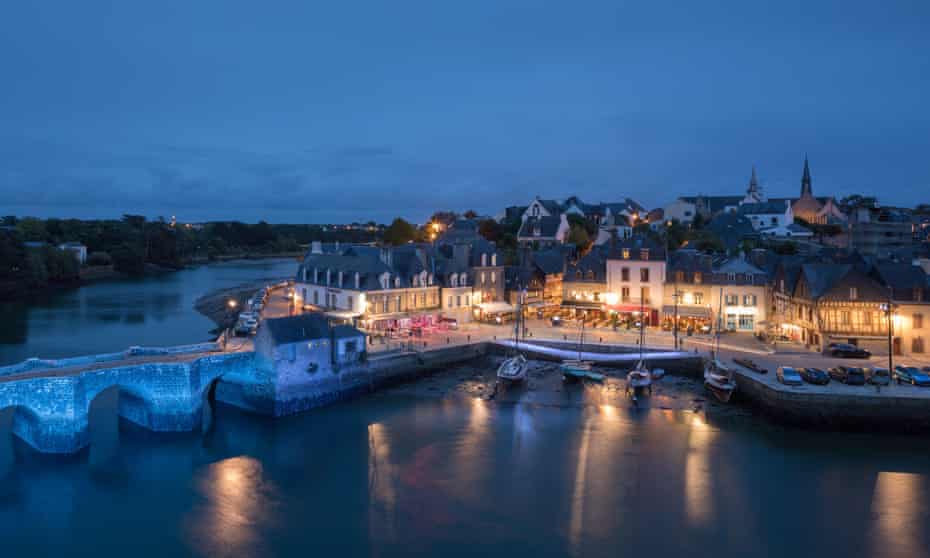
[(470, 214), (707, 241), (490, 230), (578, 236), (399, 232), (32, 229), (857, 201), (129, 259), (444, 217)]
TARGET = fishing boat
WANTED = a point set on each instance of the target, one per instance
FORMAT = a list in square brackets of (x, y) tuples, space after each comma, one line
[(718, 378), (578, 369), (514, 368)]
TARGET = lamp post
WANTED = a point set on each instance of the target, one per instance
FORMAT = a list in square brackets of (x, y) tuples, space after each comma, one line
[(675, 297), (888, 308), (230, 308)]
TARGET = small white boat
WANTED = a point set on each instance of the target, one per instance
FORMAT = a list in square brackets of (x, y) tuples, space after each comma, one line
[(718, 379), (638, 379), (513, 369), (579, 370)]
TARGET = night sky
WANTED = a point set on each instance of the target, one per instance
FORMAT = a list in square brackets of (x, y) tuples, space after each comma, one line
[(316, 111)]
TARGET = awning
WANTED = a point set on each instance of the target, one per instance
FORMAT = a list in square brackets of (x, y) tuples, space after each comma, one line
[(687, 311), (627, 308), (583, 304), (495, 307)]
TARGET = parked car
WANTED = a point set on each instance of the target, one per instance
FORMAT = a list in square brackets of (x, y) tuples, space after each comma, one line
[(911, 375), (450, 323), (788, 376), (814, 376), (849, 375), (556, 321), (878, 376), (845, 350)]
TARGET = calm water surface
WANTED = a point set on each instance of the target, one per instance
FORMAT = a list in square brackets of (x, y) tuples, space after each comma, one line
[(113, 315), (393, 475)]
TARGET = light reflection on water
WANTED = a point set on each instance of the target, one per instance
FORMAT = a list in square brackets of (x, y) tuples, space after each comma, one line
[(390, 476), (239, 503)]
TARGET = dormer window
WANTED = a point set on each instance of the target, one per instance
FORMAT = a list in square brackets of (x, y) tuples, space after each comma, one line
[(357, 280), (329, 277), (454, 280), (494, 259), (463, 279), (731, 277), (397, 282), (626, 253), (484, 260), (644, 254), (853, 293)]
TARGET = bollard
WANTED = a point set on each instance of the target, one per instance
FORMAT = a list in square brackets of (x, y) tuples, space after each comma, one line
[(601, 339), (447, 341)]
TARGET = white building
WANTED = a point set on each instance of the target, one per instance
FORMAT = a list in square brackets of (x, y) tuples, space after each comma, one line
[(636, 277), (764, 215), (76, 248), (680, 210)]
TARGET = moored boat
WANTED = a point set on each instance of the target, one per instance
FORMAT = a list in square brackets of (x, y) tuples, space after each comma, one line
[(718, 379), (513, 369)]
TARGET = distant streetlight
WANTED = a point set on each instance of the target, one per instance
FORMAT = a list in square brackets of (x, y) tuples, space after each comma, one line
[(888, 309), (232, 303)]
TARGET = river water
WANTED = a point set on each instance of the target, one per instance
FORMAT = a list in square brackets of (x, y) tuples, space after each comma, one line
[(397, 475), (110, 316)]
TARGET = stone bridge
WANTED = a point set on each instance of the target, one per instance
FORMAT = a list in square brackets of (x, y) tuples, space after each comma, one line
[(51, 411)]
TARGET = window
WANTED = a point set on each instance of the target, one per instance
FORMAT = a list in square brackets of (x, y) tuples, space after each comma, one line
[(625, 294), (450, 301), (867, 318), (844, 317), (458, 300), (680, 276), (644, 274), (484, 260), (745, 321), (644, 254), (493, 278), (482, 278), (384, 305), (731, 277), (917, 345), (645, 293), (626, 253), (349, 302), (494, 259), (698, 277), (316, 298), (749, 300), (698, 298), (625, 274), (918, 321), (467, 300), (853, 293)]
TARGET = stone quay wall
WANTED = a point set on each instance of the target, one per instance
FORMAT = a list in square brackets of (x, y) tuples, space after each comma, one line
[(33, 364), (841, 410)]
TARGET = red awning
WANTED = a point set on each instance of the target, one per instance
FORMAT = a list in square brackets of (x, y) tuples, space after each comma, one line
[(626, 308)]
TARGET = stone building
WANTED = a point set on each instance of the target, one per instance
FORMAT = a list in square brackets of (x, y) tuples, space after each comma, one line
[(636, 277)]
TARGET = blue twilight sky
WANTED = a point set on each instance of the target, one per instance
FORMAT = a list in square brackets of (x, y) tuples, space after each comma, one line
[(312, 111)]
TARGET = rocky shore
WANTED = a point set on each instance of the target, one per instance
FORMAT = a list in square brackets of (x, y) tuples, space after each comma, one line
[(215, 304), (544, 386)]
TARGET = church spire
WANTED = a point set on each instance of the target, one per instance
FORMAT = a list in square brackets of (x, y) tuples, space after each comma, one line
[(806, 180), (754, 192)]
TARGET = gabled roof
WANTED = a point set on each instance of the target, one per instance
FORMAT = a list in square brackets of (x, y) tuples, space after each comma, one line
[(738, 265), (821, 277), (551, 261), (304, 327), (902, 275), (592, 266), (547, 226), (635, 244)]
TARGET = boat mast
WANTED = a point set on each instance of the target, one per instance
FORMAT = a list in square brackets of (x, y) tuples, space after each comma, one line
[(719, 320)]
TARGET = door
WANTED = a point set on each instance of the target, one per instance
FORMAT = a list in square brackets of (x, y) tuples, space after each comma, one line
[(896, 345)]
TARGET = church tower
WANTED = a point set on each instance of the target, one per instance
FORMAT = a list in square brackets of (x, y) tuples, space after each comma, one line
[(808, 207)]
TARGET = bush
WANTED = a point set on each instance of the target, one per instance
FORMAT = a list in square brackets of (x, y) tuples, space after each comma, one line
[(99, 258)]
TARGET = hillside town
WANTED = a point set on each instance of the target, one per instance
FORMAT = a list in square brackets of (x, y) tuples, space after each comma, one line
[(810, 270)]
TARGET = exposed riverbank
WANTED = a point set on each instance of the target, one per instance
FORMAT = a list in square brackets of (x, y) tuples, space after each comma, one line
[(544, 386), (215, 305)]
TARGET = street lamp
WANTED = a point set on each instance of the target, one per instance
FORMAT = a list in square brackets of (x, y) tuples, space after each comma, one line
[(231, 305), (888, 309)]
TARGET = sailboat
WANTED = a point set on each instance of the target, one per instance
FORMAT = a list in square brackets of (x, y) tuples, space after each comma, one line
[(718, 378), (639, 378), (514, 368), (577, 369)]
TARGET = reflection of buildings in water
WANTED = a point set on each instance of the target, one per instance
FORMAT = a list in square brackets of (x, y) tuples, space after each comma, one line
[(382, 494), (603, 483), (524, 437), (699, 497), (471, 460), (239, 499), (576, 522), (899, 509)]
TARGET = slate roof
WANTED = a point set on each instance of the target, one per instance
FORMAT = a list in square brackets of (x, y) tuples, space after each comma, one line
[(901, 276), (303, 327), (592, 266), (550, 262), (548, 227), (635, 244), (689, 260), (821, 277), (714, 204), (731, 228), (763, 208)]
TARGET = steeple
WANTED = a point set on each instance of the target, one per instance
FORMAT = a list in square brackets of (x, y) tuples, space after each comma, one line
[(754, 192), (806, 180)]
